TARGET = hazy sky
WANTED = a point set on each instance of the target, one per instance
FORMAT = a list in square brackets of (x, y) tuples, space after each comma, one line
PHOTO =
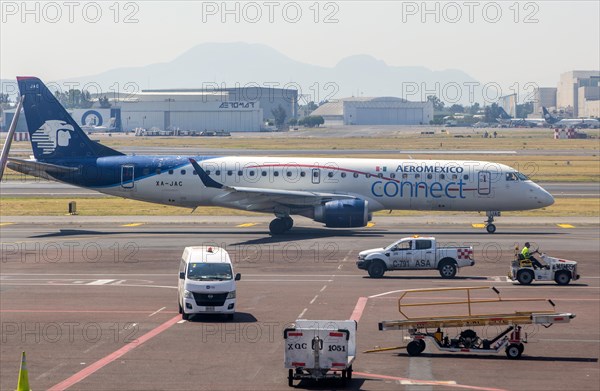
[(502, 41)]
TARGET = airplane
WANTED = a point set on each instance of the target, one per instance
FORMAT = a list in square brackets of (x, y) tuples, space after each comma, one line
[(506, 119), (570, 122), (339, 192)]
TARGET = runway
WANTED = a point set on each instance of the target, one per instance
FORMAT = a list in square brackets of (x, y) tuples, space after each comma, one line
[(93, 303), (55, 189)]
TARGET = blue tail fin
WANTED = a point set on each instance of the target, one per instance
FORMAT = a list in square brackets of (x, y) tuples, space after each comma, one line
[(504, 114), (53, 132), (549, 117)]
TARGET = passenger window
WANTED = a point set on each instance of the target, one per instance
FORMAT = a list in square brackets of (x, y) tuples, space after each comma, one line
[(466, 177), (368, 175), (240, 173), (275, 173), (355, 175), (392, 175), (194, 172), (380, 175), (182, 172), (218, 173), (442, 176), (157, 171), (146, 171), (288, 173), (330, 174), (315, 174), (454, 176), (229, 173), (264, 173), (417, 176), (404, 176), (343, 175), (251, 173), (170, 172), (423, 244), (429, 176), (302, 174)]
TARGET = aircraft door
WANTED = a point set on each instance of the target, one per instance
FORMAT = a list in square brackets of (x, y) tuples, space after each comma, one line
[(484, 183), (316, 176), (127, 176)]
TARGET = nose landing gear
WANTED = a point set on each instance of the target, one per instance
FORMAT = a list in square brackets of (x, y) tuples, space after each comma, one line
[(489, 224)]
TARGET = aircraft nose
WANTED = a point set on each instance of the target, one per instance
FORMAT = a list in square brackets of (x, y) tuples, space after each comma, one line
[(542, 197)]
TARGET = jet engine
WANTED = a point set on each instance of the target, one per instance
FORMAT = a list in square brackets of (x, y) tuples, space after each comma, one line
[(343, 213)]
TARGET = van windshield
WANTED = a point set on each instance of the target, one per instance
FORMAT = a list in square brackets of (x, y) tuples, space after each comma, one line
[(209, 271)]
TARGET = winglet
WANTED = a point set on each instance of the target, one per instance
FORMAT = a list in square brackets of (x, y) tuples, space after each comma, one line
[(206, 180)]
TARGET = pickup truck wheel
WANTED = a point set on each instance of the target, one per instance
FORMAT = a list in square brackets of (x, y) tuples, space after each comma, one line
[(185, 316), (413, 348), (180, 309), (291, 377), (376, 269), (447, 269), (562, 277), (349, 373), (525, 276)]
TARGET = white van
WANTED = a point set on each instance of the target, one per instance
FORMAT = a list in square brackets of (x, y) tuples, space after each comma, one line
[(206, 282)]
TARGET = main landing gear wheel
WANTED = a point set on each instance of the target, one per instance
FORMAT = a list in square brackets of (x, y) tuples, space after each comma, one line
[(280, 225), (490, 228)]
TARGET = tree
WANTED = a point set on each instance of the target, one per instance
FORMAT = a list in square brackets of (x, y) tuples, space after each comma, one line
[(311, 121), (104, 103), (474, 109), (438, 105), (524, 109), (292, 121), (279, 115), (456, 108), (492, 112)]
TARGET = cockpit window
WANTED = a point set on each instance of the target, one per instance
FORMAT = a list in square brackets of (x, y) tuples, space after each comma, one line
[(522, 177), (510, 176)]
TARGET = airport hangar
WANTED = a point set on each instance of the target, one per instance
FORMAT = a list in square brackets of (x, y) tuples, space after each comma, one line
[(375, 111), (241, 109)]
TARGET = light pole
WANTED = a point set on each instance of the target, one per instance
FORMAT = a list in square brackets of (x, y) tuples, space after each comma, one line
[(144, 122)]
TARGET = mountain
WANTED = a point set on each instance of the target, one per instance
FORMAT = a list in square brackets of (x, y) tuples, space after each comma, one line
[(241, 64)]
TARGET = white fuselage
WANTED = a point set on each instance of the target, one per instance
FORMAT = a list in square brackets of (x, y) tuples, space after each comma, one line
[(384, 183)]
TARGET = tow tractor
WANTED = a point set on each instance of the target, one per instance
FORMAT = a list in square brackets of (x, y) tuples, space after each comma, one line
[(320, 349), (511, 339), (562, 271)]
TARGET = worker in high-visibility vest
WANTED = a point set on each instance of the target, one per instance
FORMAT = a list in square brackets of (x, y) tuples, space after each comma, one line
[(527, 255)]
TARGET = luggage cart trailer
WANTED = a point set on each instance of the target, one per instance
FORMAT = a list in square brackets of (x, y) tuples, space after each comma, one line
[(320, 349), (510, 339)]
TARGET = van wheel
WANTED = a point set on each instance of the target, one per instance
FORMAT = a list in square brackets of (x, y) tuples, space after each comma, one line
[(447, 269), (562, 277), (376, 269), (230, 316), (525, 276), (291, 377), (180, 309), (185, 316)]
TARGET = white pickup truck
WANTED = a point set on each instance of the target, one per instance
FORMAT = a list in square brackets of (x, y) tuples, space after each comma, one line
[(415, 253)]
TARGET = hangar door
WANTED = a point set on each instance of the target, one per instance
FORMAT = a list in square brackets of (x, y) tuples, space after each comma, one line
[(388, 116)]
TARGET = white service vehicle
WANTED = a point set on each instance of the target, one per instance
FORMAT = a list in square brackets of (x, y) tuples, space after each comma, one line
[(561, 271), (415, 253), (206, 282), (320, 349)]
